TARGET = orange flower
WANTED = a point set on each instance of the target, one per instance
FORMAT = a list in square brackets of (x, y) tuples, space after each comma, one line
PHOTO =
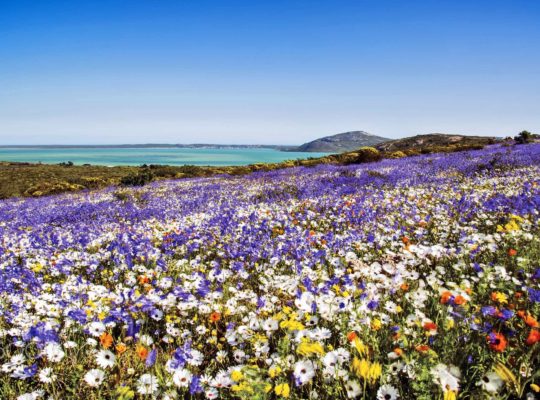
[(398, 351), (530, 321), (512, 252), (445, 297), (497, 342), (215, 317), (405, 240), (404, 287), (106, 340), (351, 336), (460, 300), (142, 352), (143, 279), (422, 348), (121, 348), (534, 337)]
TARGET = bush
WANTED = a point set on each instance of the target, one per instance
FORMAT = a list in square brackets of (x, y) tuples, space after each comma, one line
[(524, 137), (396, 154), (141, 178), (363, 155)]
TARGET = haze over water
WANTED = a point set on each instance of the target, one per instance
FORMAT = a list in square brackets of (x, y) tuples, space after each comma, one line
[(138, 156)]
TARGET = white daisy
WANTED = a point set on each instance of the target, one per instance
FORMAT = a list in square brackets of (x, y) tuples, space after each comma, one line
[(353, 389), (36, 394), (491, 382), (46, 375), (53, 352), (96, 329), (94, 377), (387, 392), (105, 359), (182, 377), (196, 358), (147, 384), (304, 371)]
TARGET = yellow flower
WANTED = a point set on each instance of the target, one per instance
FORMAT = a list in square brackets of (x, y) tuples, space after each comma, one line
[(360, 367), (370, 372), (307, 348), (242, 387), (450, 395), (37, 268), (291, 325), (274, 371), (360, 347), (237, 375), (499, 297), (512, 225), (376, 324), (535, 387), (283, 390), (375, 371)]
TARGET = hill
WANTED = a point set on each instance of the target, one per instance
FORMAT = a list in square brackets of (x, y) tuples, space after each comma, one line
[(341, 142), (433, 140)]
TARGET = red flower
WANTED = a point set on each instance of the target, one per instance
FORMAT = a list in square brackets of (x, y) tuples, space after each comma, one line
[(460, 300), (528, 319), (430, 326), (512, 252), (215, 317), (534, 337), (445, 297), (497, 342)]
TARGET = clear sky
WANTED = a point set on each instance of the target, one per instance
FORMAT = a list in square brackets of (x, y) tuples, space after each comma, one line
[(276, 72)]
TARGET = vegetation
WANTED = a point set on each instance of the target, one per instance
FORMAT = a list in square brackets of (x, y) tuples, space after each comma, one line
[(409, 278), (35, 180), (525, 137)]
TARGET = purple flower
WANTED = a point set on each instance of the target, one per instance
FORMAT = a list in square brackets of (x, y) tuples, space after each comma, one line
[(151, 358), (489, 310), (534, 295)]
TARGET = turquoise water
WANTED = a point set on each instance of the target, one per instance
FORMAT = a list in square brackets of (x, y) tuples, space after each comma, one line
[(138, 156)]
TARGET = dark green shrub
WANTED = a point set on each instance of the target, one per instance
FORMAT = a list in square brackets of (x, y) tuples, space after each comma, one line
[(524, 137), (139, 179)]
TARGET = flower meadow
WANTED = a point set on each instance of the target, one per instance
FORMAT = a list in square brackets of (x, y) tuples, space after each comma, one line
[(413, 278)]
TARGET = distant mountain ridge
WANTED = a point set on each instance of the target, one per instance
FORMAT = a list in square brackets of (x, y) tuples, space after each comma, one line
[(341, 142)]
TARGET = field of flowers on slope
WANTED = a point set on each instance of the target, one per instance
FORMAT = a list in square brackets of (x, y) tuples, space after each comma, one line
[(408, 278)]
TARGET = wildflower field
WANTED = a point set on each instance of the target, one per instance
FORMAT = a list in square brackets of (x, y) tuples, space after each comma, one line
[(413, 278)]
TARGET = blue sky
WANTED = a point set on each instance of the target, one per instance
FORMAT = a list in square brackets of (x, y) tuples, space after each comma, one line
[(276, 72)]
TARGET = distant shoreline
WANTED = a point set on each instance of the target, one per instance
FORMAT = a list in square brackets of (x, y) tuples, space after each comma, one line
[(152, 146)]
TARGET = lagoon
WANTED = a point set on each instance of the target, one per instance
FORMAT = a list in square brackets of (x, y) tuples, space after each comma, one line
[(112, 156)]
